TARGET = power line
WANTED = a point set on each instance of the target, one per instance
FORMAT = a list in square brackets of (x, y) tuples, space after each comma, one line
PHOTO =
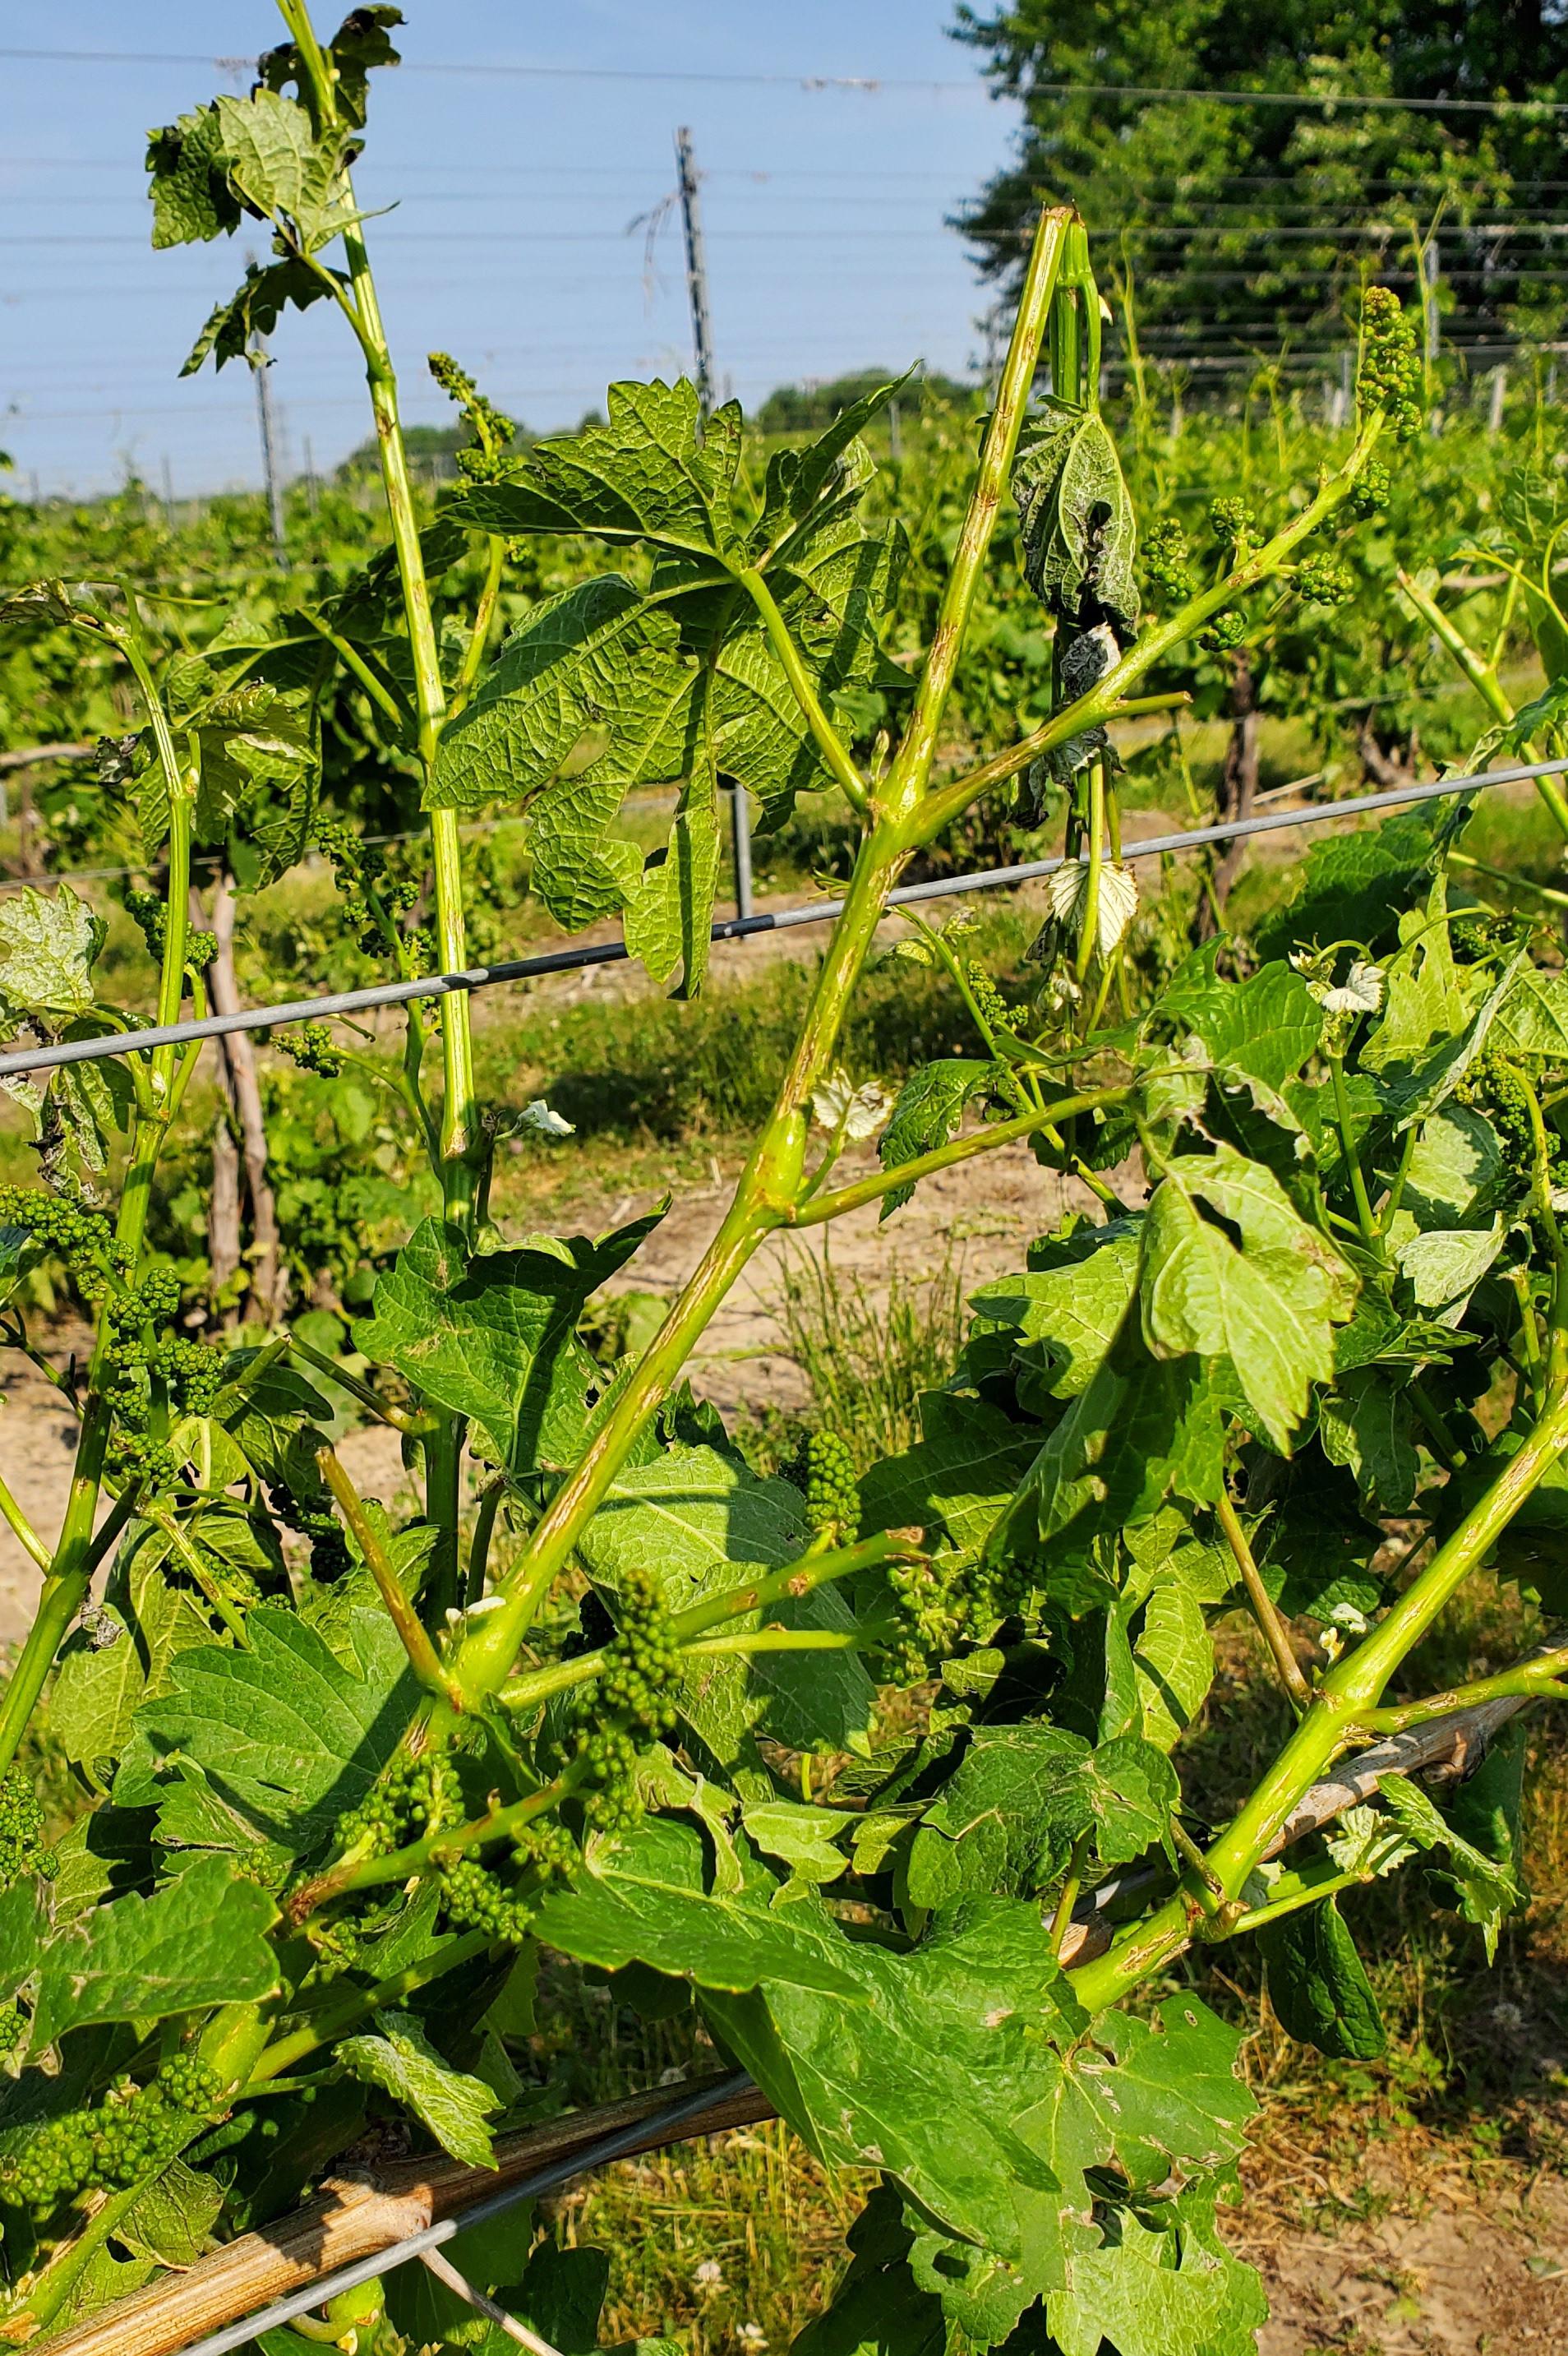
[(867, 85), (812, 912)]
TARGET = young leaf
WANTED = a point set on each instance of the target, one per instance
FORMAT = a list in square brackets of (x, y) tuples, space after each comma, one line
[(1266, 1306), (1176, 2292), (402, 2060), (1318, 1986), (200, 1940), (192, 201), (929, 1107), (48, 946), (1486, 1890)]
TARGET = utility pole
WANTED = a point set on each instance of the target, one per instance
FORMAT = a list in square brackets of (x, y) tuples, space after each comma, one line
[(310, 481), (168, 493), (263, 373), (696, 269), (702, 348)]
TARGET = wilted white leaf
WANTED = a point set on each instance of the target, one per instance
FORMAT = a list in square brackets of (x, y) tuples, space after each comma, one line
[(538, 1117), (1360, 993), (858, 1112), (1068, 893)]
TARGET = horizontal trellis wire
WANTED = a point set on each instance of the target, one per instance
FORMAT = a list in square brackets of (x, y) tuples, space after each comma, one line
[(730, 928)]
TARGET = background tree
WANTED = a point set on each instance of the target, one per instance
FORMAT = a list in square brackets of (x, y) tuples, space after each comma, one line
[(1250, 224)]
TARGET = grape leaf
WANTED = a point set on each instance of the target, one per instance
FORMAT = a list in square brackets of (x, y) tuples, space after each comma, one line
[(192, 201), (702, 1523), (1367, 1424), (48, 944), (1132, 2290), (1354, 887), (1074, 1304), (1444, 1265), (878, 2310), (644, 1897), (99, 1687), (285, 1734), (402, 2060), (263, 296), (1076, 519), (961, 1471), (494, 1336), (199, 1939), (1264, 1028), (1485, 1889), (930, 1106), (1006, 1821), (1318, 1986), (1267, 1307), (1173, 1664)]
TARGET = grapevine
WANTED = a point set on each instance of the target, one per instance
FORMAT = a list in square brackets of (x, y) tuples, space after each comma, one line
[(884, 1758)]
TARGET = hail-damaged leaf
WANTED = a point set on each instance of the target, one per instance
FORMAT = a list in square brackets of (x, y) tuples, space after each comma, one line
[(240, 319), (49, 943), (1080, 536), (454, 2106), (928, 1109), (1266, 1304), (494, 1336), (854, 1113)]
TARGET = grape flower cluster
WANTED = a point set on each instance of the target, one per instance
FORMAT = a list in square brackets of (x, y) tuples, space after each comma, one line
[(631, 1705), (1390, 376), (22, 1849), (132, 2133), (825, 1471)]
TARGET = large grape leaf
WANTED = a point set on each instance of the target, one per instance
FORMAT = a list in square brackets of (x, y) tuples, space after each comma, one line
[(1071, 1302), (200, 1940), (1354, 887), (1174, 2290), (494, 1335), (960, 1473), (1318, 1984), (285, 1734), (102, 1679), (702, 1523), (1266, 1305), (611, 685)]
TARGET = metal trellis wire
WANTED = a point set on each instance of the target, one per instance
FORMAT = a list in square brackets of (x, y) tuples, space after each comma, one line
[(732, 929)]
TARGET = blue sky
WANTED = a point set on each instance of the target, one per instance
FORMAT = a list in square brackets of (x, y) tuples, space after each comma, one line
[(824, 213)]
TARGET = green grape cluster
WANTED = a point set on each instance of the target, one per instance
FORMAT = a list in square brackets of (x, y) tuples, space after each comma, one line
[(141, 1361), (150, 911), (474, 1900), (632, 1704), (12, 2024), (75, 1233), (993, 1006), (832, 1490), (1166, 564), (488, 459), (22, 1849), (1390, 377), (1327, 580), (371, 899), (412, 1796), (1490, 1086), (329, 1555), (132, 2133), (313, 1049), (1234, 526), (1374, 490), (1226, 631)]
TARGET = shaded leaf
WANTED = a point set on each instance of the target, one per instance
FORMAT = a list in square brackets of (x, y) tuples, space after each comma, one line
[(404, 2063)]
